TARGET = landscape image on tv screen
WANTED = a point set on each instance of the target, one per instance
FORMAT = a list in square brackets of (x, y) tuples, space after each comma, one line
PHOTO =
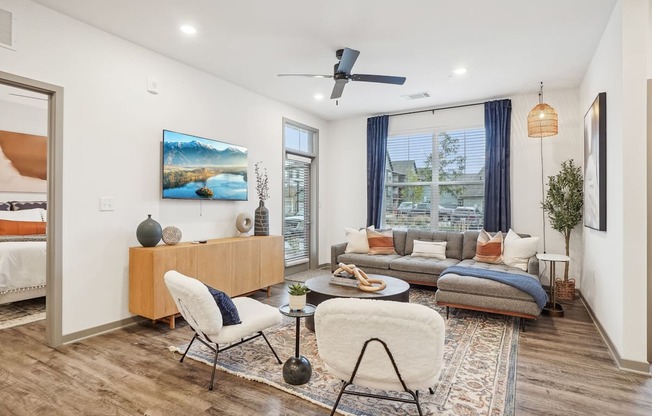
[(198, 168)]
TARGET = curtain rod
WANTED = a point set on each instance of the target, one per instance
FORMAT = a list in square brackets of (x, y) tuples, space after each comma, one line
[(435, 109)]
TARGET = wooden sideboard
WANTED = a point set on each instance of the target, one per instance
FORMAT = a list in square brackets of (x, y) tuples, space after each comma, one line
[(237, 266)]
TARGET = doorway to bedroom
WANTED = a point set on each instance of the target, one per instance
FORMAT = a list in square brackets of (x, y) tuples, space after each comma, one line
[(32, 109), (23, 205)]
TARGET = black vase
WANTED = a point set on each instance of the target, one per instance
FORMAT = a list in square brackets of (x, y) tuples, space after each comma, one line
[(149, 232), (261, 220)]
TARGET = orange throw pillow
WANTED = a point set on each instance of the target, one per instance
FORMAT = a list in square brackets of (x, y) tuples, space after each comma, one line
[(8, 227), (489, 249), (380, 242)]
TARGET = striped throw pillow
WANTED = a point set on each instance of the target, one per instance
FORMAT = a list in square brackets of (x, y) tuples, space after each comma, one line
[(380, 242), (489, 249)]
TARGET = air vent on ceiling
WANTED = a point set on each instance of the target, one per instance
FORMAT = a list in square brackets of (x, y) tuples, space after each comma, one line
[(7, 38), (416, 96)]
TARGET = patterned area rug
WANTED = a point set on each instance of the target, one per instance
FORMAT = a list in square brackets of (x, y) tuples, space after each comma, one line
[(478, 377), (22, 312)]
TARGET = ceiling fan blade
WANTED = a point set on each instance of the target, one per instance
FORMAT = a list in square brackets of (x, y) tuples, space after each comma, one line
[(349, 56), (305, 75), (338, 88), (383, 79)]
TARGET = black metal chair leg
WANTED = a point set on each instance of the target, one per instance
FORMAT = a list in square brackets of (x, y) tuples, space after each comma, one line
[(431, 390), (188, 349), (447, 311), (339, 396), (415, 395), (270, 347), (210, 387)]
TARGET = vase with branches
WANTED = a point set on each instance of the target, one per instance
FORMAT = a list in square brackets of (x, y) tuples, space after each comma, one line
[(261, 215), (564, 202)]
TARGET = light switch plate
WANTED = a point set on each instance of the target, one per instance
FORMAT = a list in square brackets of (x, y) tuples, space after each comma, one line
[(106, 203)]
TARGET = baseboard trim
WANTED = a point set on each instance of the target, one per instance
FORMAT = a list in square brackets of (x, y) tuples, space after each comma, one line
[(638, 367), (91, 332)]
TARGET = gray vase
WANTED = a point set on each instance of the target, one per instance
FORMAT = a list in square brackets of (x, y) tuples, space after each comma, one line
[(149, 232), (261, 220)]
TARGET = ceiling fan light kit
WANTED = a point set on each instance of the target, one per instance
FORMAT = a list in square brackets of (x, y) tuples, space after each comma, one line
[(342, 73)]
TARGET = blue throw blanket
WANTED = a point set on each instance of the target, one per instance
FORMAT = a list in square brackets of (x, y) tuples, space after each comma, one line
[(529, 285)]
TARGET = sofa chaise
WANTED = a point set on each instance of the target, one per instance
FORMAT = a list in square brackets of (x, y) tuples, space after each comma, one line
[(454, 289)]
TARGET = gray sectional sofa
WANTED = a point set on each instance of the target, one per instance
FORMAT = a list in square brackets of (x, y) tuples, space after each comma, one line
[(453, 290)]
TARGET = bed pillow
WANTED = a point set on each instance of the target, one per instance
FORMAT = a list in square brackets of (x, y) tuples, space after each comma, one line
[(518, 250), (22, 227), (432, 249), (25, 215), (24, 205), (356, 240), (380, 242), (228, 310), (489, 249)]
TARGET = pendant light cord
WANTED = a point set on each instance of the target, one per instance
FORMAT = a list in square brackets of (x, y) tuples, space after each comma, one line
[(543, 214)]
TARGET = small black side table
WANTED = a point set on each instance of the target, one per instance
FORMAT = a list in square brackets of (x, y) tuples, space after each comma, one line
[(297, 370)]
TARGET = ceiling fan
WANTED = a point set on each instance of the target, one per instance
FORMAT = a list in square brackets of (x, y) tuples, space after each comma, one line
[(342, 73)]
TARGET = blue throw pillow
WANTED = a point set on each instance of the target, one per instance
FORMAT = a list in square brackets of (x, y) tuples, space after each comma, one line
[(227, 308)]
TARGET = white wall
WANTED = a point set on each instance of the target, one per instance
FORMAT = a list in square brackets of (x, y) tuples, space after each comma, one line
[(111, 147), (526, 171), (615, 264), (349, 142), (28, 120), (345, 192)]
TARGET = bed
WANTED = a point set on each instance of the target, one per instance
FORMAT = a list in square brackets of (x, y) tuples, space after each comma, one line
[(22, 253)]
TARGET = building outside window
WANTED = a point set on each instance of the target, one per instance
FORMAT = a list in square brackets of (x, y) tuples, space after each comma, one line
[(435, 180)]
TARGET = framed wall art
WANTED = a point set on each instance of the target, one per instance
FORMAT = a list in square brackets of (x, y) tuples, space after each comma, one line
[(23, 162), (595, 164)]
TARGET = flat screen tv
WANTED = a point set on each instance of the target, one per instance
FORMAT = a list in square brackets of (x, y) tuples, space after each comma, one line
[(203, 169)]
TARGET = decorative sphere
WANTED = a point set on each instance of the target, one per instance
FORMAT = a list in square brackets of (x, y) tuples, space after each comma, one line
[(149, 232), (171, 235), (244, 222)]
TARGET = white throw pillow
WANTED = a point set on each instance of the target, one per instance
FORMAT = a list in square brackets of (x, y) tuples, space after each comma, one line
[(517, 250), (23, 215), (356, 240), (433, 249)]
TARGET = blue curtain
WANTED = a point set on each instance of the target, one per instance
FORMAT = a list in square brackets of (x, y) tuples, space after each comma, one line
[(497, 119), (376, 157)]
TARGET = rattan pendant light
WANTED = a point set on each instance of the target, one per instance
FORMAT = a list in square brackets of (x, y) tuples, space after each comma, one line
[(542, 119), (542, 122)]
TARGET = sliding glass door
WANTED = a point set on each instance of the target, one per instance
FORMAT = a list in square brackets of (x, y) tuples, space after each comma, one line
[(299, 193)]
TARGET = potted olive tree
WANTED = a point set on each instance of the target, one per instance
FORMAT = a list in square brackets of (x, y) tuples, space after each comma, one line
[(563, 204), (297, 293)]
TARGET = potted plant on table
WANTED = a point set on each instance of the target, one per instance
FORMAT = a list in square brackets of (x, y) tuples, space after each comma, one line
[(563, 204), (297, 293)]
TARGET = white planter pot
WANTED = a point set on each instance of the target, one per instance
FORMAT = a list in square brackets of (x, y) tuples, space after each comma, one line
[(297, 302)]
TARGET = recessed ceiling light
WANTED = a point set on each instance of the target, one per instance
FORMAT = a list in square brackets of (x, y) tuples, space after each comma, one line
[(459, 71), (188, 30), (319, 96)]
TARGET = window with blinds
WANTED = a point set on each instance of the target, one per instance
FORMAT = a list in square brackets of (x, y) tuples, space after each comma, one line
[(297, 210), (435, 180)]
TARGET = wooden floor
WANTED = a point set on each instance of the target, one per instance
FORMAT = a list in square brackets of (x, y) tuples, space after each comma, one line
[(563, 369)]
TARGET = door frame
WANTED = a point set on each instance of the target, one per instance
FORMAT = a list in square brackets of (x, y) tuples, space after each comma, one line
[(313, 255), (53, 269)]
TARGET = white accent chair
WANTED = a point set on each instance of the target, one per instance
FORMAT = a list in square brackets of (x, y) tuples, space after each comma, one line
[(199, 309), (382, 345)]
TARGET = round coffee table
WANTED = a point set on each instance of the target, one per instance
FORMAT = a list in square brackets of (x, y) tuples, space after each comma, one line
[(321, 290)]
